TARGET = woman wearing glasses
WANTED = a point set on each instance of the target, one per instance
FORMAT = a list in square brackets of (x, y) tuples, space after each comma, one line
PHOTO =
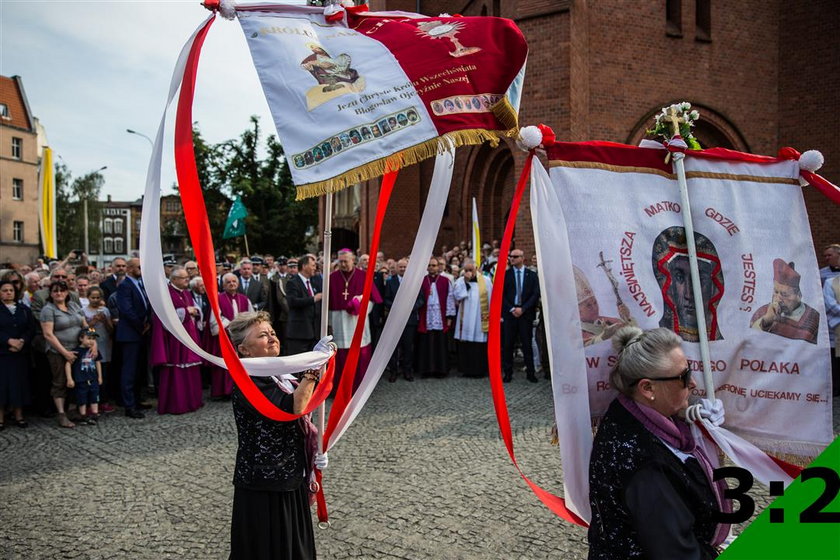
[(61, 321), (650, 483)]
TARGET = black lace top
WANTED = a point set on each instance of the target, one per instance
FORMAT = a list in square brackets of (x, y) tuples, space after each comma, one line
[(646, 503), (271, 454)]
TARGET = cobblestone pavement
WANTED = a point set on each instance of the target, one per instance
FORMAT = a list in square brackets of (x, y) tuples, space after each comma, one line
[(422, 473)]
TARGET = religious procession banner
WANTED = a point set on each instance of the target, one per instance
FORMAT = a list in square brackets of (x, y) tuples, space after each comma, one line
[(370, 90), (758, 272)]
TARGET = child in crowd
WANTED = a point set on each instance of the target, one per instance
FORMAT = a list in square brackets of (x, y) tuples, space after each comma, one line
[(85, 374)]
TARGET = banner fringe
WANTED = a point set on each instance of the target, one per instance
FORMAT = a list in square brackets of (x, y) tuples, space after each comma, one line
[(409, 156), (506, 114)]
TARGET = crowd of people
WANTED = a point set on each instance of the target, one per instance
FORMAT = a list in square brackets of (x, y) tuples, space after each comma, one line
[(79, 341), (76, 341)]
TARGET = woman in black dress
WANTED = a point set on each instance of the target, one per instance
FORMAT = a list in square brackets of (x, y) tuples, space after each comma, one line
[(271, 518), (17, 326), (650, 484)]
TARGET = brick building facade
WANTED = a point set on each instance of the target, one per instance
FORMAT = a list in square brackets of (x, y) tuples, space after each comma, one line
[(763, 74)]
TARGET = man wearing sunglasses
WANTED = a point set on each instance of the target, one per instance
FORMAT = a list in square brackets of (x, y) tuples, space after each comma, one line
[(519, 309)]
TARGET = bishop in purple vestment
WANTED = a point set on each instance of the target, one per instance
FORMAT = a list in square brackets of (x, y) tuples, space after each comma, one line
[(179, 389), (346, 287)]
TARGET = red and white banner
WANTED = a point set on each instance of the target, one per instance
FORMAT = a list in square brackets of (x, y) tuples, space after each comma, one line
[(759, 277), (372, 89)]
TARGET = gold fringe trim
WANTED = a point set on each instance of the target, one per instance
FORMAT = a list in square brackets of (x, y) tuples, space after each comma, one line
[(506, 114), (409, 156)]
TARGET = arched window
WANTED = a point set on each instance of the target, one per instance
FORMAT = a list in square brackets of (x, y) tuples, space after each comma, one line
[(108, 226), (712, 130)]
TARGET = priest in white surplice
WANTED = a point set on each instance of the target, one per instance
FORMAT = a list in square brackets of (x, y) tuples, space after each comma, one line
[(472, 291)]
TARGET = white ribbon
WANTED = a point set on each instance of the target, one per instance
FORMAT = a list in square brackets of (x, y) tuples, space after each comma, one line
[(407, 294), (151, 261), (562, 330)]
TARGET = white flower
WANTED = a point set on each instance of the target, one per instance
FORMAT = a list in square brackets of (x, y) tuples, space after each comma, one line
[(694, 115), (685, 105)]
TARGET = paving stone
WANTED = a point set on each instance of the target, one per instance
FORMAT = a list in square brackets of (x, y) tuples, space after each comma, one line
[(422, 473)]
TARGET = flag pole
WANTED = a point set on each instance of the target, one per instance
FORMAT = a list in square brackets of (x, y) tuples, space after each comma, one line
[(325, 306), (679, 165), (247, 251)]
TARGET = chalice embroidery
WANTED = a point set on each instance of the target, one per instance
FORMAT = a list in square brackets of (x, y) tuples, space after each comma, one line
[(448, 30)]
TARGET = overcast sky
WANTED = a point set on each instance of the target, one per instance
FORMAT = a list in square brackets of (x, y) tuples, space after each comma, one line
[(93, 69)]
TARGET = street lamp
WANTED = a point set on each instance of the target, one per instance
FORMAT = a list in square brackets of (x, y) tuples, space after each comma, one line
[(85, 211), (152, 144)]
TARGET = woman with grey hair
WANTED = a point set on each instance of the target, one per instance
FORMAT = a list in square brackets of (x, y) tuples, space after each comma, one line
[(651, 485), (271, 518)]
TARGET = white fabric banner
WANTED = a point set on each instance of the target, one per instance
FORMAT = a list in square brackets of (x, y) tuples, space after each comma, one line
[(759, 276)]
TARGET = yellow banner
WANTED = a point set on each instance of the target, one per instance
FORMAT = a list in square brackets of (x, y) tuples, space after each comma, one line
[(48, 236)]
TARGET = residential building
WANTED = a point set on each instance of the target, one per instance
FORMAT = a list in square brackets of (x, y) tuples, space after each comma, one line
[(20, 158)]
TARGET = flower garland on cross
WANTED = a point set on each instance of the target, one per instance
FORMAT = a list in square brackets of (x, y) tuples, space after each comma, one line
[(677, 120)]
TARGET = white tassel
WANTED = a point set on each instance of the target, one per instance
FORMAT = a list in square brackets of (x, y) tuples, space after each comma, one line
[(332, 9), (529, 138), (811, 161), (227, 9)]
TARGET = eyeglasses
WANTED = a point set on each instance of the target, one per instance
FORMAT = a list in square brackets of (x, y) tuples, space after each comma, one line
[(685, 377)]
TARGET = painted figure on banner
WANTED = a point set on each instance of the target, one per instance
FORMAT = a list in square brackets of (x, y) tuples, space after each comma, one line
[(787, 315), (346, 287), (595, 327), (231, 303), (335, 77), (673, 273), (179, 389)]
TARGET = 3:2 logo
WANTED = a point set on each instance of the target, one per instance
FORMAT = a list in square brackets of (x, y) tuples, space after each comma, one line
[(814, 513)]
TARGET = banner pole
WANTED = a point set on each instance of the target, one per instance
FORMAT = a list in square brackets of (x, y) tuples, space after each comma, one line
[(325, 306), (247, 252), (679, 165)]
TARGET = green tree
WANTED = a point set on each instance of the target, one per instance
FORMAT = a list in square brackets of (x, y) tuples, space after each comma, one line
[(70, 195), (276, 223)]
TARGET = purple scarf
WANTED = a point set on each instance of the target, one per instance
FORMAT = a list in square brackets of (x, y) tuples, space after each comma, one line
[(677, 434)]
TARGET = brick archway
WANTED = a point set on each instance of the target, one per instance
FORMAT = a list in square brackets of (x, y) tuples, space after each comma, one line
[(488, 176), (713, 130)]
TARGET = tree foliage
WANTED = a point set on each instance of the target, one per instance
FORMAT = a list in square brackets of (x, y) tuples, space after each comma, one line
[(70, 195), (275, 224)]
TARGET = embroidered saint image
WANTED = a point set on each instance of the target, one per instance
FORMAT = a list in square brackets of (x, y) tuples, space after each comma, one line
[(334, 75)]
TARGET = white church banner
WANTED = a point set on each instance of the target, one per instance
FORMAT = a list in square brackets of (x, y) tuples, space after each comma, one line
[(759, 276)]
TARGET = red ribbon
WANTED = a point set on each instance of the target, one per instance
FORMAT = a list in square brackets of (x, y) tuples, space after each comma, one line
[(345, 385), (195, 213), (494, 352)]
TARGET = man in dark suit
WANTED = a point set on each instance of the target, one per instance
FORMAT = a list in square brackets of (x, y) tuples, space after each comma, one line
[(109, 285), (278, 306), (132, 334), (519, 308), (255, 288), (303, 294), (402, 359)]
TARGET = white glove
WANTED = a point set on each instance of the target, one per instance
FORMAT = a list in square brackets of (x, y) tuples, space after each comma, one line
[(710, 410), (325, 345), (321, 461)]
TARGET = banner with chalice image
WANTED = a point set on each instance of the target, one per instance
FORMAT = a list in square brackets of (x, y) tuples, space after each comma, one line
[(349, 97)]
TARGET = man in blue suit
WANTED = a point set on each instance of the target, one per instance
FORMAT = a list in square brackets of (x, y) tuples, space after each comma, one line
[(519, 309), (132, 333)]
